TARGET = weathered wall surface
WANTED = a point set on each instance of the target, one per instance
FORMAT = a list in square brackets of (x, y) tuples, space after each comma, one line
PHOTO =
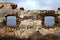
[(30, 24)]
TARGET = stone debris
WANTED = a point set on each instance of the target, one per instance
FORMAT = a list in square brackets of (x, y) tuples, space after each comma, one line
[(57, 31), (27, 33), (24, 34), (29, 24), (26, 22)]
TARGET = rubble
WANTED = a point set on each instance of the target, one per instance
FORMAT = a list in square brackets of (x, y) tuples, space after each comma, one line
[(29, 24)]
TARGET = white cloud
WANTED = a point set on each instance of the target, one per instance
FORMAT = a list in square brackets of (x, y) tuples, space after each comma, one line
[(33, 5), (29, 5), (36, 4), (48, 1)]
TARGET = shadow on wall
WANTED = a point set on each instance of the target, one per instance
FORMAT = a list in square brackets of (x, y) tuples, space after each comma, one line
[(36, 36), (50, 37)]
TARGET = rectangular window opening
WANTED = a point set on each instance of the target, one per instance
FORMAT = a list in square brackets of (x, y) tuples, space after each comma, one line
[(49, 21), (11, 20)]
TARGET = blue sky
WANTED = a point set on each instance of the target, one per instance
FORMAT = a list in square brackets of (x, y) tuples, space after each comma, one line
[(36, 4)]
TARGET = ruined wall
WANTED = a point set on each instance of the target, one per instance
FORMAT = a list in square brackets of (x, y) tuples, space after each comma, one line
[(30, 24)]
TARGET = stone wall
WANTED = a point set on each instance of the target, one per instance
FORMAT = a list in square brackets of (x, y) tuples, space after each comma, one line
[(30, 24)]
